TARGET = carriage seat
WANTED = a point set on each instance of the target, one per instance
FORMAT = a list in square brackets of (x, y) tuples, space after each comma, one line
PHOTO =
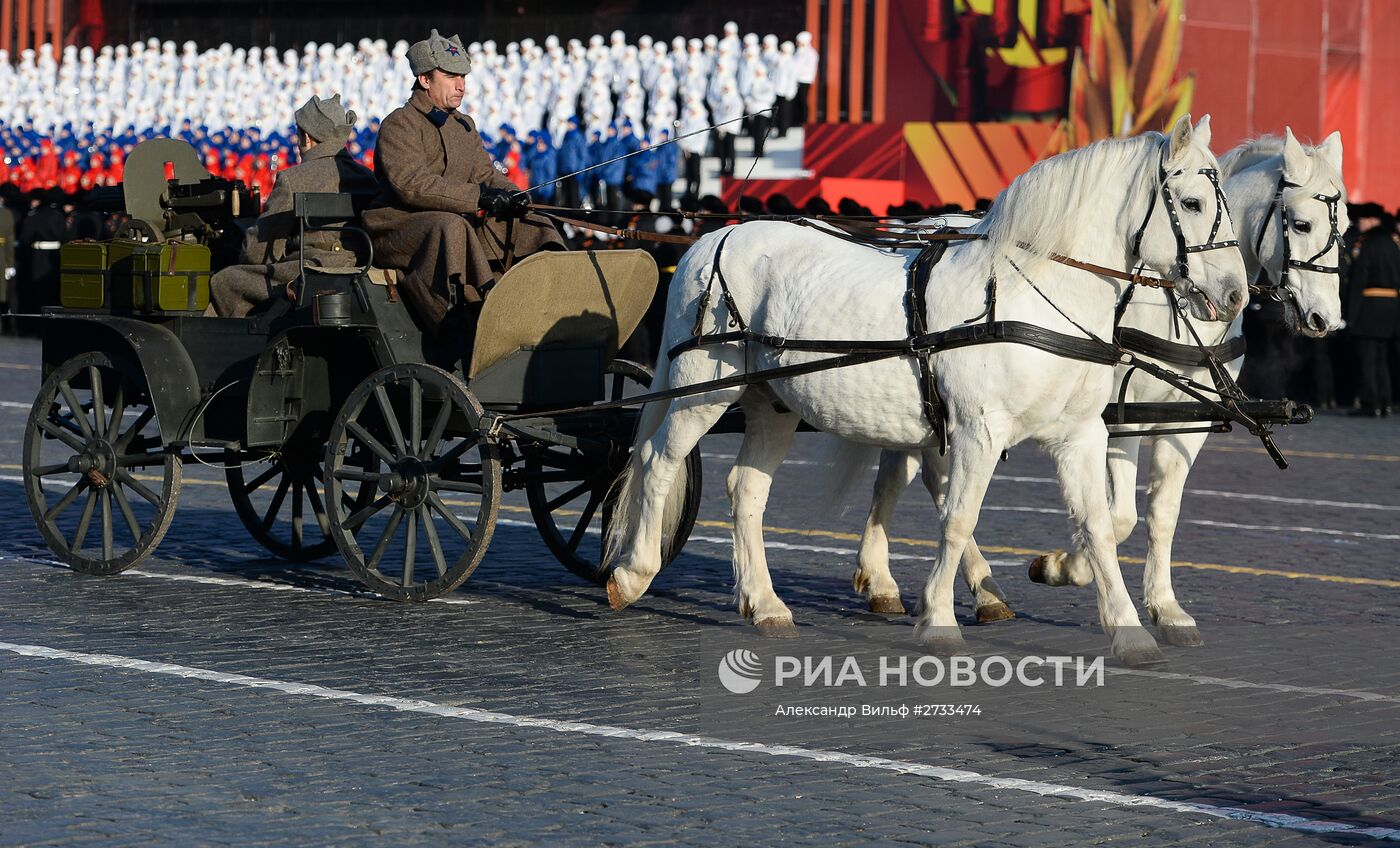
[(338, 211)]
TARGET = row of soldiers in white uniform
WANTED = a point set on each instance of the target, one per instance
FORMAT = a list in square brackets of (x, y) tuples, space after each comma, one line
[(527, 85)]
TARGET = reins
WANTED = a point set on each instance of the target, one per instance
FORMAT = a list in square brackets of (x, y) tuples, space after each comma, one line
[(843, 227)]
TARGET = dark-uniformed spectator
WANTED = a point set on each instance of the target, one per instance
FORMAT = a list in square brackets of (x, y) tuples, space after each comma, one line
[(272, 256), (42, 235), (1373, 304), (9, 196)]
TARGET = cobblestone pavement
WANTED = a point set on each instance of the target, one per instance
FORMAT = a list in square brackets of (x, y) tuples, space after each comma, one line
[(218, 695)]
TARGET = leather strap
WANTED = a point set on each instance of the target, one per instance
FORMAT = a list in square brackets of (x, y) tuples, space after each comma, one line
[(1184, 356)]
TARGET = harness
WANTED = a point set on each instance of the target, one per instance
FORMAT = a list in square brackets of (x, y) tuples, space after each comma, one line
[(1183, 250), (921, 344), (1279, 290)]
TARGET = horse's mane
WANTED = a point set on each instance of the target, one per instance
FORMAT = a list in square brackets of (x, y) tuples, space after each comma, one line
[(1043, 210), (1250, 153)]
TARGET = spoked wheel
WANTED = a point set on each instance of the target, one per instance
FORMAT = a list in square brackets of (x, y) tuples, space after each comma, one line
[(429, 507), (281, 500), (571, 491), (99, 482)]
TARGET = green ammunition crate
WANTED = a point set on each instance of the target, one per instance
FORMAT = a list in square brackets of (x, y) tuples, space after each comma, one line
[(82, 281), (157, 278)]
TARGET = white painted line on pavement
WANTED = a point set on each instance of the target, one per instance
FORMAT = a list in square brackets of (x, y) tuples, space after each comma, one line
[(1230, 683), (1206, 680), (240, 582), (274, 587), (837, 758)]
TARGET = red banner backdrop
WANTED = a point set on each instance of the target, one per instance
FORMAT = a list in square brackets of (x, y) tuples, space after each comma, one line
[(951, 69)]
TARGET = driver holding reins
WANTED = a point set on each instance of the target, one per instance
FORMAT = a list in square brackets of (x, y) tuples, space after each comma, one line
[(444, 213)]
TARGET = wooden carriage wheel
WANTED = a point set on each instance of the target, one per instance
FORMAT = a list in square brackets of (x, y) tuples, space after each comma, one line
[(98, 479), (429, 506), (282, 502), (570, 492)]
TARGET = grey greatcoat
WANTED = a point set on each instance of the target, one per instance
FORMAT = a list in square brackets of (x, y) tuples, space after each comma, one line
[(270, 249), (431, 165)]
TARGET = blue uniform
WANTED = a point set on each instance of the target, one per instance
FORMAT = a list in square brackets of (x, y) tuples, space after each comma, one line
[(644, 171), (573, 155), (669, 161), (543, 167), (613, 174)]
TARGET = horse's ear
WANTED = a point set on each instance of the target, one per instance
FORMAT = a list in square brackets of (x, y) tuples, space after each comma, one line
[(1295, 159), (1331, 150), (1180, 142), (1203, 132)]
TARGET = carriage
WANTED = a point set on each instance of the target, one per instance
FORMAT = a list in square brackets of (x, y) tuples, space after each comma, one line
[(339, 425)]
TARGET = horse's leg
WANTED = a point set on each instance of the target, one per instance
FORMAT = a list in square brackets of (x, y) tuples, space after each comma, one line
[(988, 601), (643, 503), (1172, 457), (1080, 461), (872, 576), (1072, 568), (767, 436), (973, 458)]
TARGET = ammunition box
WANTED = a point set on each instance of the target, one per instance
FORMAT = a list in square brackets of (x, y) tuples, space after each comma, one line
[(83, 280)]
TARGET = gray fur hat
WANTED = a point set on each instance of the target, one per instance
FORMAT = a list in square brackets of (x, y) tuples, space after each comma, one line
[(325, 120), (438, 52)]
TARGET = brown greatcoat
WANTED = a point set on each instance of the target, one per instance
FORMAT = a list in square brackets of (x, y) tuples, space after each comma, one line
[(270, 249), (431, 167)]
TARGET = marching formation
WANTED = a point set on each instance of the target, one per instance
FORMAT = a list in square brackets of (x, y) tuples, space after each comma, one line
[(69, 118)]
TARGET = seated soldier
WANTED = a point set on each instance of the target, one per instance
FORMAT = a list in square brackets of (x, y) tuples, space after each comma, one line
[(270, 251), (437, 186)]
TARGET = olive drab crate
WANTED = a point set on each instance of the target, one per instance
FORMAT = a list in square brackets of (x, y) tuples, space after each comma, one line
[(83, 275), (152, 278)]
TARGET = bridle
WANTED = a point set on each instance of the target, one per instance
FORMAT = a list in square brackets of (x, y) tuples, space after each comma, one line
[(1183, 250), (1277, 291)]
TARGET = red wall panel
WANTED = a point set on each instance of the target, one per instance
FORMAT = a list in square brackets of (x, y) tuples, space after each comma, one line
[(1290, 25), (1344, 23), (1381, 127), (1220, 59), (1238, 13), (1288, 93)]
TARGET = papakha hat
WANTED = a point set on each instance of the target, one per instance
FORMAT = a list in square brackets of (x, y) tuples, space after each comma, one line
[(438, 52), (325, 120)]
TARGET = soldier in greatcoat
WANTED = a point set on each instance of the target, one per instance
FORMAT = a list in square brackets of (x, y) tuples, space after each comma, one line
[(445, 217), (1373, 304), (271, 254)]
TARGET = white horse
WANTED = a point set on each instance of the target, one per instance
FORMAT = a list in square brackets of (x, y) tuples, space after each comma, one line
[(1091, 204), (1309, 190)]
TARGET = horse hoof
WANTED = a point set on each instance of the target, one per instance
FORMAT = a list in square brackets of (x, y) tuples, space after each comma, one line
[(615, 599), (943, 642), (1037, 571), (1142, 657), (776, 628), (991, 613), (1181, 635), (890, 605)]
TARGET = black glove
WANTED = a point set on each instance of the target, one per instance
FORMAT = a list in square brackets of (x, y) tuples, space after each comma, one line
[(503, 203)]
